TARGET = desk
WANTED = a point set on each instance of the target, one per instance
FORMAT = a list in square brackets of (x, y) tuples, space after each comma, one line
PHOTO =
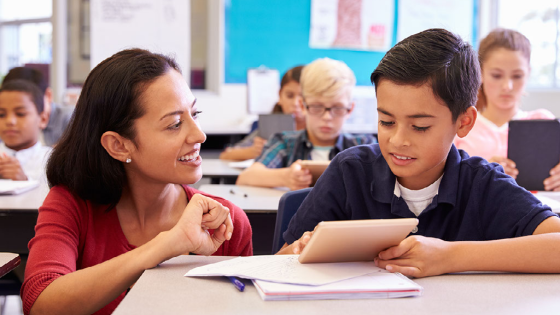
[(261, 205), (8, 262), (18, 216), (164, 290), (250, 199), (219, 171)]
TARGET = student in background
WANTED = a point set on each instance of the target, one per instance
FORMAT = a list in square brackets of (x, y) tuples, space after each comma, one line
[(119, 202), (326, 86), (471, 215), (505, 63), (288, 103), (22, 156), (58, 115)]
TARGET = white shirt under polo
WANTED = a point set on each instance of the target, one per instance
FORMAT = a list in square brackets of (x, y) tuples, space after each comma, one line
[(417, 200)]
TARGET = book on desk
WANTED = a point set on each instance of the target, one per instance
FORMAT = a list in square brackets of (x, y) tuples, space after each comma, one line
[(381, 284), (14, 187)]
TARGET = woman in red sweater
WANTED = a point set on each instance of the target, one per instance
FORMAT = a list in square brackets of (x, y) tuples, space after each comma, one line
[(119, 203)]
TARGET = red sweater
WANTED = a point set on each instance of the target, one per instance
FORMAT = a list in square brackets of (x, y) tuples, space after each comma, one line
[(73, 234)]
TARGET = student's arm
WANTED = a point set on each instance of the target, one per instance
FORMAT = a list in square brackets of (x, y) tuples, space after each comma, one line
[(293, 177), (419, 256), (88, 290), (244, 153)]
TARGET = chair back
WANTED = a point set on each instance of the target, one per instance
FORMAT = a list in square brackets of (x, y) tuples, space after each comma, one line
[(288, 206)]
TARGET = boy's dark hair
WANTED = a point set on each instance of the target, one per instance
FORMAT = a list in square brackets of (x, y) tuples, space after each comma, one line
[(110, 101), (439, 57), (27, 87), (28, 74)]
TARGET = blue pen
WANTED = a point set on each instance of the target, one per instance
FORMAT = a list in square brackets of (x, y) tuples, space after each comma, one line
[(238, 284)]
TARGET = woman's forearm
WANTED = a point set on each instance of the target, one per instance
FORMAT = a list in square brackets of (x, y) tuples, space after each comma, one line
[(87, 290)]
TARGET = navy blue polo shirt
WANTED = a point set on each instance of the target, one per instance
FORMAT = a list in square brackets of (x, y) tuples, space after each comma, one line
[(476, 201)]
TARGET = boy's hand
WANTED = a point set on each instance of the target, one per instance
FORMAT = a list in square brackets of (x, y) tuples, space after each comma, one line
[(297, 246), (553, 182), (257, 147), (416, 256), (10, 168), (508, 165), (297, 177)]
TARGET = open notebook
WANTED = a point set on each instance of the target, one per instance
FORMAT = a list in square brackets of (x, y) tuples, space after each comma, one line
[(375, 285), (14, 187)]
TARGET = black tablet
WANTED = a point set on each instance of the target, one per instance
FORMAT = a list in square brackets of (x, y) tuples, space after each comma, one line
[(273, 123), (534, 146)]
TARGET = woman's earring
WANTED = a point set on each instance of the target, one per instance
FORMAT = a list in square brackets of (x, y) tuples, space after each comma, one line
[(128, 160)]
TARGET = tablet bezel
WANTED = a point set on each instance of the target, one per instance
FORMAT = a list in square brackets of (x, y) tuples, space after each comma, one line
[(317, 168), (355, 240)]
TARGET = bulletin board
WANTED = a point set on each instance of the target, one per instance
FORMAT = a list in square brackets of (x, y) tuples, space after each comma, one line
[(275, 34)]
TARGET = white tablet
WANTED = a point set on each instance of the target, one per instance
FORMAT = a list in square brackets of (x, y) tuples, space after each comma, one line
[(315, 167), (354, 240)]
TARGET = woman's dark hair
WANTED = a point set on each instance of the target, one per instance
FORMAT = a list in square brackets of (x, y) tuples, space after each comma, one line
[(437, 57), (28, 88), (109, 101), (291, 75)]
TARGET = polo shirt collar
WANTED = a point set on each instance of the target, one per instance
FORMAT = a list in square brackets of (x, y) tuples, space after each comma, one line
[(25, 153), (339, 144), (383, 183)]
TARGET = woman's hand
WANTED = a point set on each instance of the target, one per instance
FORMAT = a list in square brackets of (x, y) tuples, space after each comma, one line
[(508, 165), (297, 177), (191, 234), (417, 256), (553, 182)]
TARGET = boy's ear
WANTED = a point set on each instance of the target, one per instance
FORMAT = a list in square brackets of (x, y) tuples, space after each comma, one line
[(352, 105), (465, 121), (116, 145), (43, 120)]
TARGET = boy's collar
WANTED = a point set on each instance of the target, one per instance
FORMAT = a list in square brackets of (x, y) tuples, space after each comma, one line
[(383, 184), (339, 144), (13, 152)]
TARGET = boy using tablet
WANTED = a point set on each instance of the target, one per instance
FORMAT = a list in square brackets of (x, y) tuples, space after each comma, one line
[(22, 156), (326, 86), (471, 215)]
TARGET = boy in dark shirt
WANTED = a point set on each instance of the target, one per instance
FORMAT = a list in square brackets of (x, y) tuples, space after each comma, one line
[(471, 215)]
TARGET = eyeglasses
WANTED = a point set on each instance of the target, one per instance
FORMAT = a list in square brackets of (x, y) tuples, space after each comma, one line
[(319, 110)]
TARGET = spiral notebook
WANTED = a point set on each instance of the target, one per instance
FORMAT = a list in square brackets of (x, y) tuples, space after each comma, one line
[(375, 285)]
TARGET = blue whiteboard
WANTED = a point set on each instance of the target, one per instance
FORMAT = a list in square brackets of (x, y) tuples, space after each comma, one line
[(275, 33)]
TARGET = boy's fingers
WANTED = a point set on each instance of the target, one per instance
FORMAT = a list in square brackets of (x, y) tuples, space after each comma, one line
[(405, 270), (396, 251)]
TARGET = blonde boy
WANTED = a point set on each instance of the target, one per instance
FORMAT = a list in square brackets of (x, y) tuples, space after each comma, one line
[(327, 86)]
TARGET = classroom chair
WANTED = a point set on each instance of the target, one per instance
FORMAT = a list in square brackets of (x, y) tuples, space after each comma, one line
[(289, 203)]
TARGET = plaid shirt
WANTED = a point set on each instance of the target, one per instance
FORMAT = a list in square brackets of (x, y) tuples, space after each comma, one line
[(284, 148)]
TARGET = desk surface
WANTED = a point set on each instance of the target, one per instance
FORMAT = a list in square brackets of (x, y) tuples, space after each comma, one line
[(164, 290), (218, 168), (28, 201), (248, 198)]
